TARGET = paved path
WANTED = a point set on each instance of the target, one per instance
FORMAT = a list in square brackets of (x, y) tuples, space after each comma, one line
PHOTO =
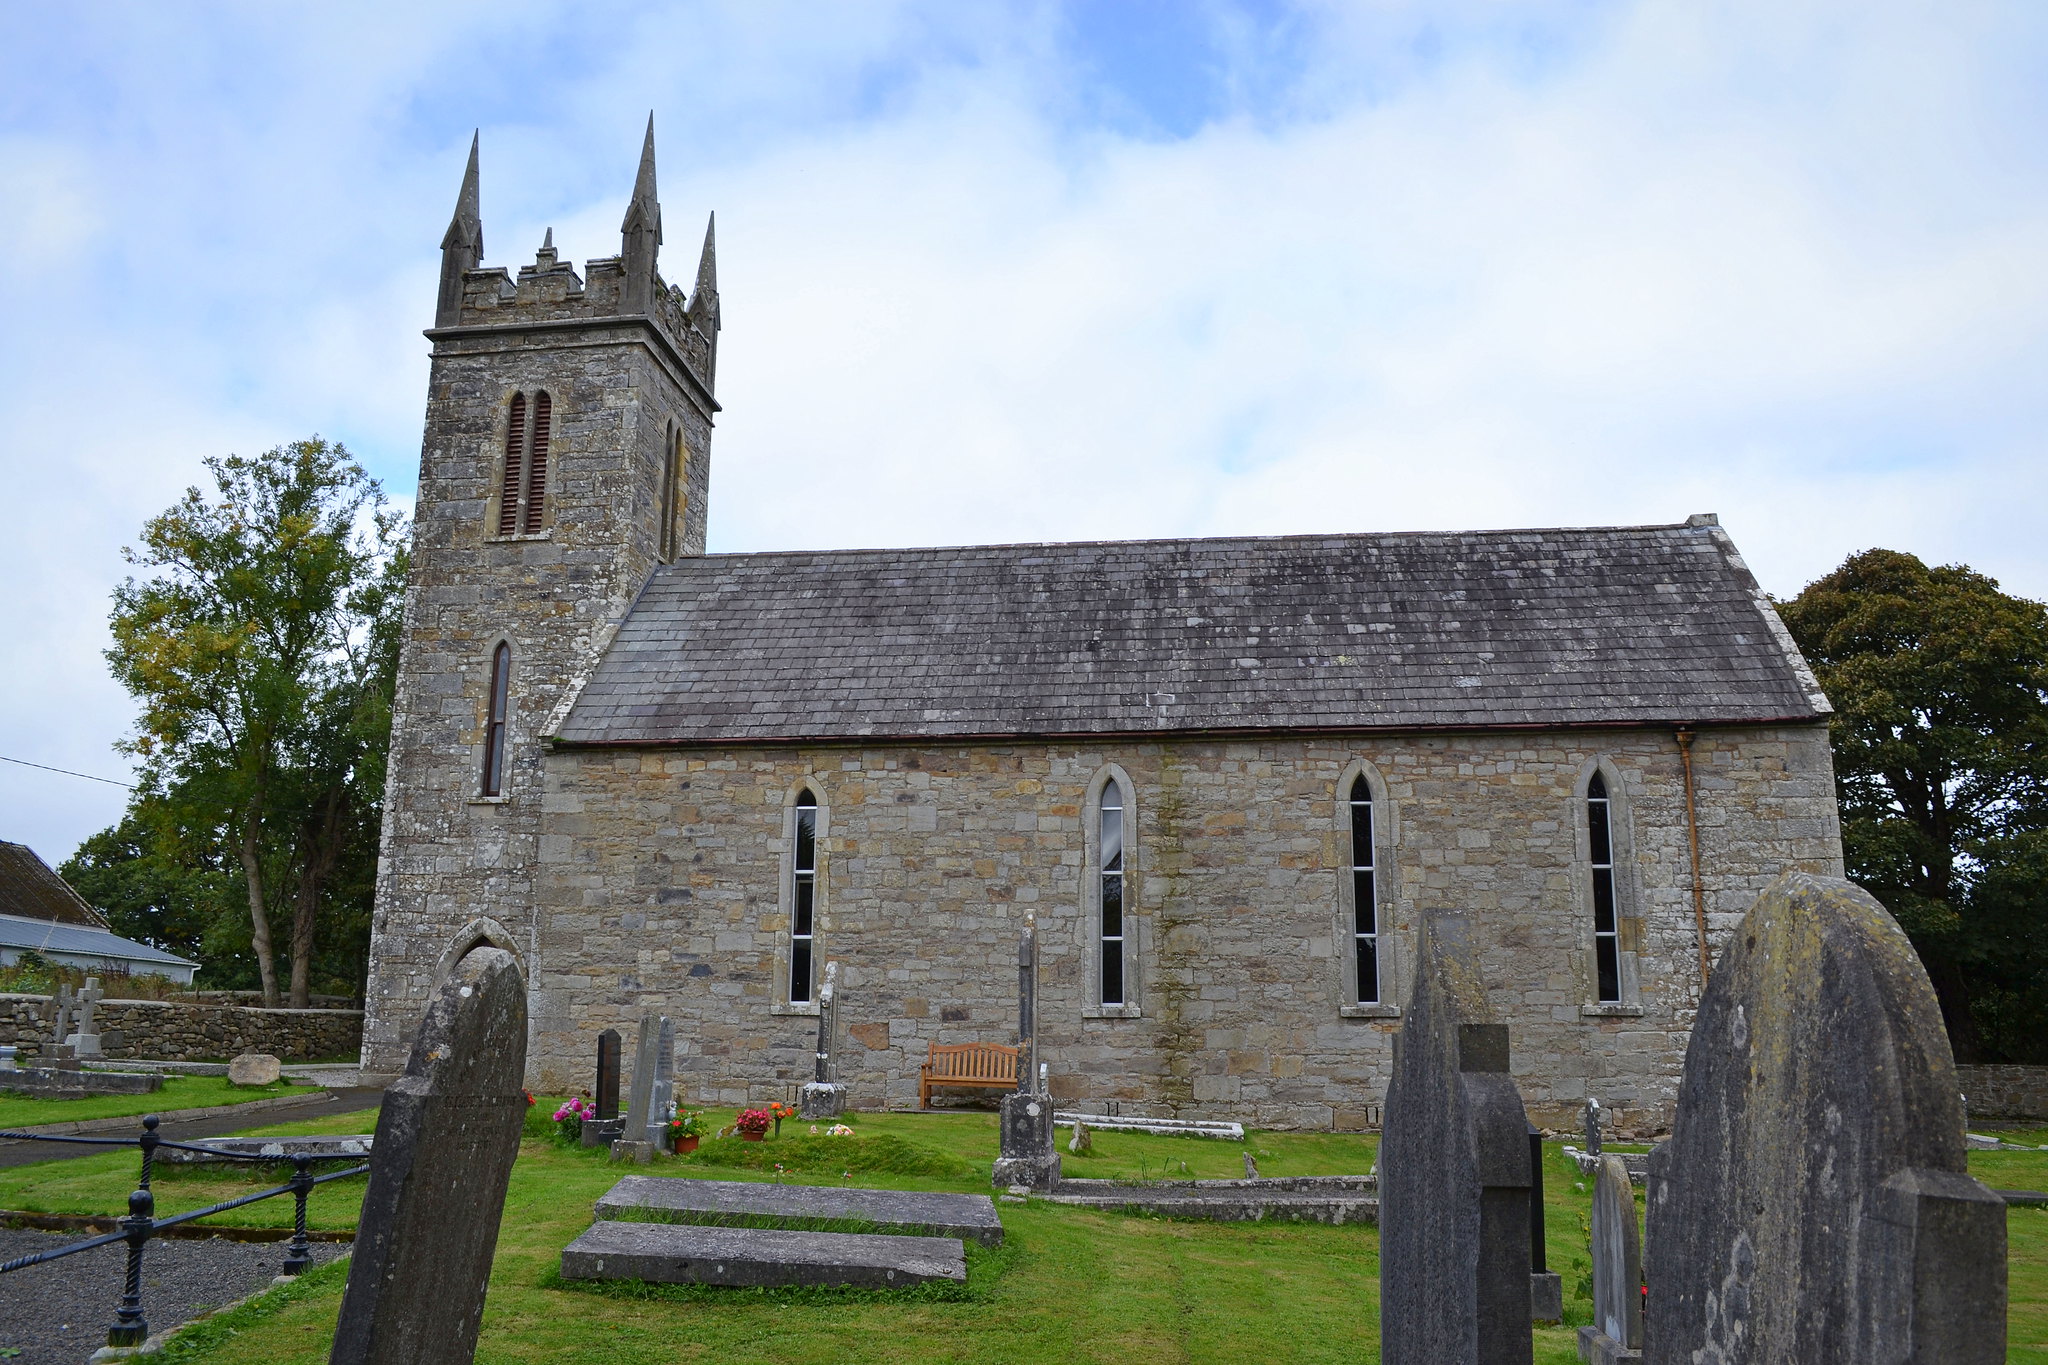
[(217, 1125)]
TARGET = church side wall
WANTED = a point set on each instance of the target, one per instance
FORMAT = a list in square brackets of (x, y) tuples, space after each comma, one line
[(659, 885)]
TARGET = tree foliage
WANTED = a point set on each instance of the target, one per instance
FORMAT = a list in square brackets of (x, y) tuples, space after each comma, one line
[(1940, 687), (262, 647)]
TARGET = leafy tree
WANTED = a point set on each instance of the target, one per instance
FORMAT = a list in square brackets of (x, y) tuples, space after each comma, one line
[(262, 648), (1940, 687)]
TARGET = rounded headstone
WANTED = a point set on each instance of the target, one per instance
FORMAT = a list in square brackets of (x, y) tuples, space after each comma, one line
[(255, 1068)]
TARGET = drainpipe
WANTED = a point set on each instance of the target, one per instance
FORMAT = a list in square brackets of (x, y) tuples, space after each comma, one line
[(1692, 838)]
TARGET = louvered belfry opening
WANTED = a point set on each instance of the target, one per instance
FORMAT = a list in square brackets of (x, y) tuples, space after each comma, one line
[(537, 463), (508, 489)]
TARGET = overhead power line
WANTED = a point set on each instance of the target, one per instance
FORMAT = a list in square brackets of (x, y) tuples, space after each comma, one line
[(67, 772)]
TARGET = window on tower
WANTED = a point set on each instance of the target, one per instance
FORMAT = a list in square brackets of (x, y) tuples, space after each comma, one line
[(497, 707), (523, 481)]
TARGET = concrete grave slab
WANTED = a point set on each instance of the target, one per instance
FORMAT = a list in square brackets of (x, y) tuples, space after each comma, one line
[(738, 1203), (668, 1253)]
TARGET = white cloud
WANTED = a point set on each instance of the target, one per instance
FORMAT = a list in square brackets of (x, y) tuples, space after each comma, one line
[(1428, 266)]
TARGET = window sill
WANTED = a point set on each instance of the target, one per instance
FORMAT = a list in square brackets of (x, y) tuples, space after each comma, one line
[(808, 1008), (523, 536), (1610, 1011), (1369, 1011), (490, 800), (1112, 1012)]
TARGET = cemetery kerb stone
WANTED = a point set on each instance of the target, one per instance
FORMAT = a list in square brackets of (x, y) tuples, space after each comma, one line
[(1616, 1335), (1812, 1203), (741, 1203), (1454, 1172), (663, 1253), (442, 1157)]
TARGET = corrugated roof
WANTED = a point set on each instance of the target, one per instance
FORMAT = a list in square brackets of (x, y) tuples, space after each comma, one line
[(29, 887), (1630, 625), (47, 937)]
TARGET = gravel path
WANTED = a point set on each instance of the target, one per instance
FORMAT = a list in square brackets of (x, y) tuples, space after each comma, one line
[(58, 1314)]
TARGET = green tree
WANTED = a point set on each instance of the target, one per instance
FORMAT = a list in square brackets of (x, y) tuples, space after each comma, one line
[(1940, 687), (261, 647)]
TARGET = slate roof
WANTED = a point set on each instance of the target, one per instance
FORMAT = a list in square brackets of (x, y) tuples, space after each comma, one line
[(29, 887), (45, 937), (1545, 628)]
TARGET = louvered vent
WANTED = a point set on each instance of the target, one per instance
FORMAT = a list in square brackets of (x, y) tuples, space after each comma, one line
[(508, 492), (537, 463)]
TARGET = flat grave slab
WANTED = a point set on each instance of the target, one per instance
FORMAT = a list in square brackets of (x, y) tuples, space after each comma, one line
[(739, 1203), (1133, 1123), (670, 1253), (1238, 1205), (335, 1147)]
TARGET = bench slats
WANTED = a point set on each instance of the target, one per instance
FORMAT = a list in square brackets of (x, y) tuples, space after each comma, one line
[(990, 1065)]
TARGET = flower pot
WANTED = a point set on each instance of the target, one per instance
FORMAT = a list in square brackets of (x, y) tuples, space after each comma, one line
[(752, 1137), (687, 1145)]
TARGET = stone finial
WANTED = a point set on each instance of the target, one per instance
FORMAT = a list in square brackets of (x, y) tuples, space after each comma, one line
[(545, 258), (641, 233), (462, 246), (1813, 1202), (704, 297)]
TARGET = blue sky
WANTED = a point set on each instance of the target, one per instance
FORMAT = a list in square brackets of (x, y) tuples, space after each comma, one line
[(1053, 271)]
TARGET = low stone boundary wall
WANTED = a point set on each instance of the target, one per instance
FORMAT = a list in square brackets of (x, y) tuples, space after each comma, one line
[(2005, 1092), (181, 1031)]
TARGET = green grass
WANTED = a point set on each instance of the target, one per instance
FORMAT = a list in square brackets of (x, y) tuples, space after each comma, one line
[(1069, 1285), (18, 1110)]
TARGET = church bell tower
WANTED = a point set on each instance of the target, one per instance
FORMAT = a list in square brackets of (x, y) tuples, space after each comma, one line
[(566, 456)]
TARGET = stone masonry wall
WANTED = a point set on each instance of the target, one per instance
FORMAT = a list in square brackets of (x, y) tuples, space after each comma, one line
[(179, 1031), (2005, 1092), (661, 875)]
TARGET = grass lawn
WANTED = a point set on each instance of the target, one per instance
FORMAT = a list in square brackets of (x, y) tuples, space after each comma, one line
[(18, 1110), (1068, 1285)]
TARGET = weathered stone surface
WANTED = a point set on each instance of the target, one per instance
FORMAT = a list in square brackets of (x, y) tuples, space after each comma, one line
[(1244, 1204), (1616, 1334), (666, 1253), (607, 1090), (446, 1138), (1454, 1173), (254, 1068), (185, 1031), (1027, 1154), (2004, 1092), (745, 1203), (1813, 1202), (58, 1082), (821, 1100), (338, 1147), (640, 1106)]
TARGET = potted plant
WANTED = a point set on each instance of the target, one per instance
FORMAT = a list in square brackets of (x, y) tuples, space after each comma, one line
[(753, 1124), (685, 1131), (780, 1111)]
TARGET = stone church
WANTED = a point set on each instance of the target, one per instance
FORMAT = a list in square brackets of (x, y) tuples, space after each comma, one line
[(1228, 777)]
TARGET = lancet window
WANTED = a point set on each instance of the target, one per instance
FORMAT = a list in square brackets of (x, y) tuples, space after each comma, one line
[(523, 482)]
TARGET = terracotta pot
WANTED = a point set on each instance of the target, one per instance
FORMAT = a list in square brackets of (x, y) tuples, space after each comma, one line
[(687, 1145), (752, 1137)]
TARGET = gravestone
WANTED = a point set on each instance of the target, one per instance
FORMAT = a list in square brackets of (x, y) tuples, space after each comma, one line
[(62, 1053), (664, 1103), (84, 1041), (1251, 1167), (635, 1145), (1082, 1140), (827, 1208), (1546, 1287), (666, 1253), (1616, 1334), (824, 1097), (1592, 1126), (1454, 1172), (7, 1055), (446, 1137), (1028, 1153), (606, 1128), (255, 1068), (1813, 1203)]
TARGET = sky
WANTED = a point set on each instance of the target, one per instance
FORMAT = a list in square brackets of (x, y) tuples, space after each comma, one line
[(1051, 271)]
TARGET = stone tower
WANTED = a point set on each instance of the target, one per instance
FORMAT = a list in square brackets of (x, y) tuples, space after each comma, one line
[(566, 455)]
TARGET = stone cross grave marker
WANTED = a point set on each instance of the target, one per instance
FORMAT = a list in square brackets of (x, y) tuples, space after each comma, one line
[(1813, 1203), (1454, 1172), (85, 1038), (1616, 1335), (446, 1137), (823, 1097), (65, 1001), (1028, 1151)]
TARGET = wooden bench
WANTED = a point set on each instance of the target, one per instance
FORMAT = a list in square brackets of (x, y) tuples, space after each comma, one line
[(990, 1066)]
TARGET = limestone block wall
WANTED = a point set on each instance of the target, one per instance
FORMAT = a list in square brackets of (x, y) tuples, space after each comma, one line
[(2004, 1092), (660, 884), (180, 1031)]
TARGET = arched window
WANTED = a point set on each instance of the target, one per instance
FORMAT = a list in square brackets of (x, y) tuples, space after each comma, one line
[(1365, 900), (499, 705), (803, 896), (523, 485), (671, 496), (1606, 922), (1109, 895)]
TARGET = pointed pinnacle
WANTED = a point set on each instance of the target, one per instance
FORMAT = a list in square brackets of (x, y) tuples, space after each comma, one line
[(466, 228), (548, 243), (707, 264), (645, 209)]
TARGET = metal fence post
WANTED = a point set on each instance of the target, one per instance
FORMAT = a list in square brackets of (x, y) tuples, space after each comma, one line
[(296, 1258), (130, 1328)]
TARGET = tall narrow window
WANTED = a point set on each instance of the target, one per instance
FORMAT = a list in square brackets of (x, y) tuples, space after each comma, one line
[(1110, 895), (494, 723), (537, 462), (1600, 839), (1365, 914), (803, 896), (512, 482), (670, 473)]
